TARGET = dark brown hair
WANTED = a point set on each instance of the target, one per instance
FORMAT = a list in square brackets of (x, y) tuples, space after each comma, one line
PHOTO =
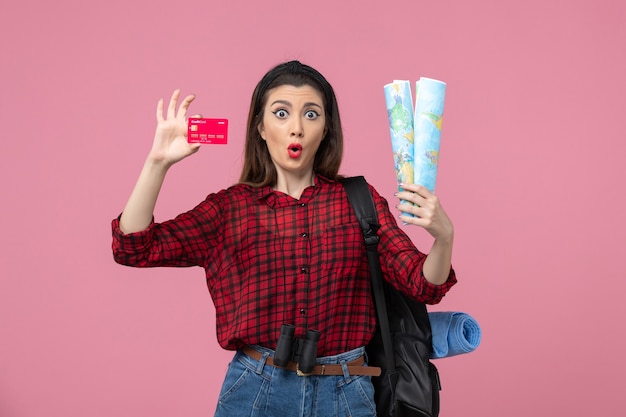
[(258, 168)]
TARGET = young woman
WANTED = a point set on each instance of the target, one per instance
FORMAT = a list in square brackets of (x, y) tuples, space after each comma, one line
[(282, 250)]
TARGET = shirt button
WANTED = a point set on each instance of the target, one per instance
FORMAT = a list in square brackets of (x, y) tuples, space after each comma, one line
[(304, 234), (304, 270), (303, 312), (303, 205)]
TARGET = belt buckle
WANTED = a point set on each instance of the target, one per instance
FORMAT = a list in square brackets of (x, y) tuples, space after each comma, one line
[(300, 373)]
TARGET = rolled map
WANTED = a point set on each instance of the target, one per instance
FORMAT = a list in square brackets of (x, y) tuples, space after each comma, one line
[(400, 114), (430, 96)]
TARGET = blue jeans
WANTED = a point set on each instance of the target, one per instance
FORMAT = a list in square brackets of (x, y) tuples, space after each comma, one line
[(253, 389)]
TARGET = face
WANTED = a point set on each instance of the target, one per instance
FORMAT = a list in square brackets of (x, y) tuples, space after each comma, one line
[(293, 127)]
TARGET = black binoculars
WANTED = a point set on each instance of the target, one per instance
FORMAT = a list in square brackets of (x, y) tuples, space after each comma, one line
[(292, 349)]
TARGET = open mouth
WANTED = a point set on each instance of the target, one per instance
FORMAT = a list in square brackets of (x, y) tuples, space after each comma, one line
[(295, 150)]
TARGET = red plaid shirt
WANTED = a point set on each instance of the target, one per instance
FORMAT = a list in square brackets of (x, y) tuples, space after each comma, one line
[(271, 259)]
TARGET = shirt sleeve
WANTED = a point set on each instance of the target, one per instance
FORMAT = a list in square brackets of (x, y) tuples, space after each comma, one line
[(401, 262), (186, 240)]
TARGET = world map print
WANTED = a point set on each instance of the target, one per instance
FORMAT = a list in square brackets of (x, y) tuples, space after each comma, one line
[(429, 102), (400, 114), (416, 134)]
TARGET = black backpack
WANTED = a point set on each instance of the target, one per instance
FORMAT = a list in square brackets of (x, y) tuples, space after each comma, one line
[(409, 384)]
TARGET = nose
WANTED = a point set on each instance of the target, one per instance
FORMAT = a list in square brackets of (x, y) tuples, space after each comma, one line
[(296, 128)]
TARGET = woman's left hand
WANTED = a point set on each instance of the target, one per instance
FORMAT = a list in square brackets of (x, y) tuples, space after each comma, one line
[(427, 210)]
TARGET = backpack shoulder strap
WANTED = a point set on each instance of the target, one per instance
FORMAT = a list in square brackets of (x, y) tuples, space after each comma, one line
[(364, 208), (361, 199)]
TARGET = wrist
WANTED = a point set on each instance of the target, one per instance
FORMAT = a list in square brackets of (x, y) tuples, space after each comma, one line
[(157, 163), (445, 239)]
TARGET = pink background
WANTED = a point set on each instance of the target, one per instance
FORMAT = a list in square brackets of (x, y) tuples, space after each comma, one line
[(531, 172)]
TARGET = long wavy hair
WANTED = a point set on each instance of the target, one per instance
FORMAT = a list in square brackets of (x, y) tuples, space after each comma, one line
[(258, 168)]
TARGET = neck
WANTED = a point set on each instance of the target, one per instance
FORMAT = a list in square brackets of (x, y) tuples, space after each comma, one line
[(294, 185)]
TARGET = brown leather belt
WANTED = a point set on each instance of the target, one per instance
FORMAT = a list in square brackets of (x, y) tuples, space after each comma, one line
[(355, 367)]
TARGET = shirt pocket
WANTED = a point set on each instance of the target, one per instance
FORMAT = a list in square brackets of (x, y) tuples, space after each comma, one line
[(343, 249)]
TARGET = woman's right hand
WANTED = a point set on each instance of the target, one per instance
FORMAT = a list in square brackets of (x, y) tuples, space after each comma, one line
[(170, 140), (170, 146)]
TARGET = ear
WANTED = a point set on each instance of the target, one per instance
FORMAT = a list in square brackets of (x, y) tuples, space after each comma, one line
[(261, 130)]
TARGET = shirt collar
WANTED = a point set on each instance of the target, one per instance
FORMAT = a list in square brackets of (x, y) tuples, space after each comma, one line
[(276, 199)]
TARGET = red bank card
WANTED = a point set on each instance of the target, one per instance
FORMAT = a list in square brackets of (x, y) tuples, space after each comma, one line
[(211, 131)]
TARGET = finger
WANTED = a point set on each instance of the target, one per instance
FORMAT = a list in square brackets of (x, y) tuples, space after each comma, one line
[(171, 108), (184, 106), (408, 208), (413, 218), (425, 211), (196, 116), (417, 188), (417, 217), (159, 113), (411, 197), (406, 219)]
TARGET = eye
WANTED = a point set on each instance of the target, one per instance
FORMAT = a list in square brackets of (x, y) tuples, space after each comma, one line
[(311, 115), (281, 113)]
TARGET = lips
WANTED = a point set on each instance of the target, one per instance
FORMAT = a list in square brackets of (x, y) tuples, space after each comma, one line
[(295, 150)]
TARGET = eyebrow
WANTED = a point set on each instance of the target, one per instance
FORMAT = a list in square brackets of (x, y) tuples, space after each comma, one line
[(286, 103)]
